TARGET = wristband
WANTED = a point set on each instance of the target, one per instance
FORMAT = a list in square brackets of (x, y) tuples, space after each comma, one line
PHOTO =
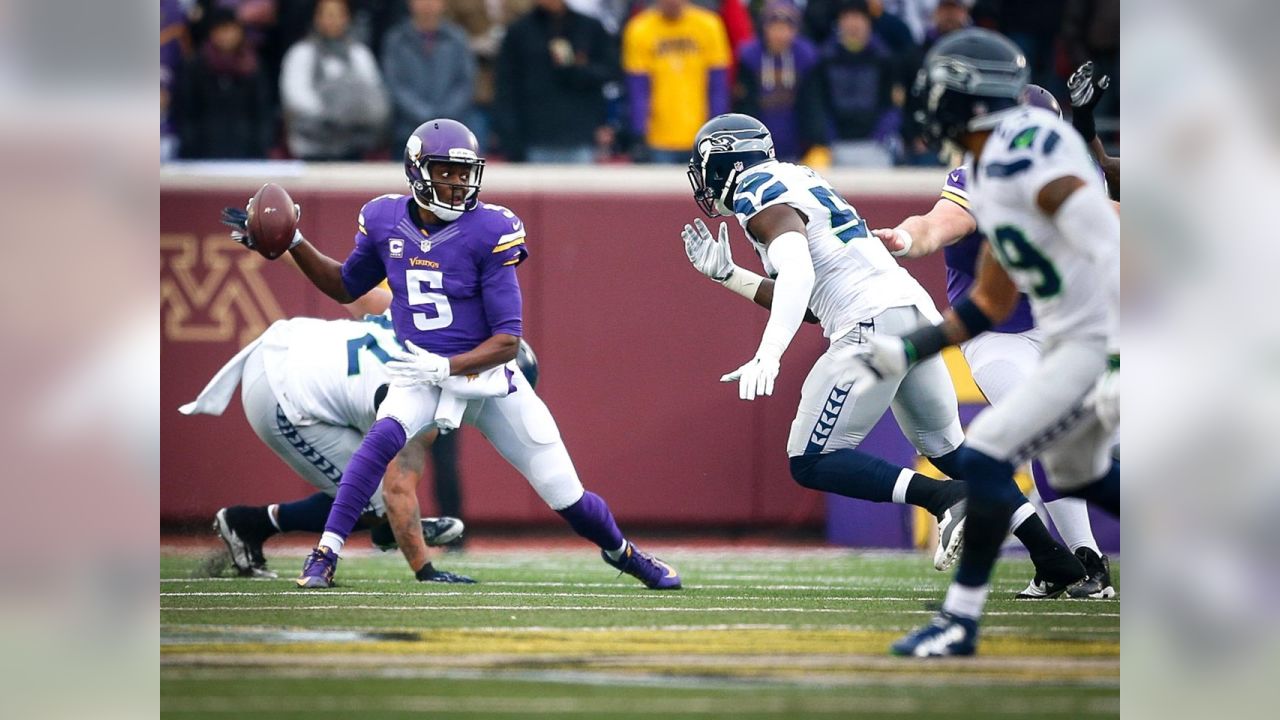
[(425, 572), (743, 282), (924, 342), (971, 316), (1082, 121), (906, 242)]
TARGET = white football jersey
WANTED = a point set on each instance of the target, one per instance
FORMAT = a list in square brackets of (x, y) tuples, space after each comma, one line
[(855, 278), (327, 371), (1026, 151)]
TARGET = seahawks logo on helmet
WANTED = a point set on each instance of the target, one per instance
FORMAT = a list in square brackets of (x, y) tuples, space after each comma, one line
[(725, 147)]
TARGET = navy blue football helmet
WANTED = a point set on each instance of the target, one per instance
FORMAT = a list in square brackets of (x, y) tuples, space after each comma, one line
[(725, 147), (969, 80)]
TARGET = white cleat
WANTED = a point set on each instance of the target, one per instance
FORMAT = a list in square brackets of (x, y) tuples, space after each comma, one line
[(950, 536)]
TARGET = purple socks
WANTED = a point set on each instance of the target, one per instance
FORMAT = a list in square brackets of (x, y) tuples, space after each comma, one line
[(590, 518), (363, 474)]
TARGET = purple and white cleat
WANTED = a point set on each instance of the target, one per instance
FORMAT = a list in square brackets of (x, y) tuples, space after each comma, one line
[(317, 571), (655, 574)]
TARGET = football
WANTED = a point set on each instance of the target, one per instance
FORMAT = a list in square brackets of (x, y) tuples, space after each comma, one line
[(273, 219)]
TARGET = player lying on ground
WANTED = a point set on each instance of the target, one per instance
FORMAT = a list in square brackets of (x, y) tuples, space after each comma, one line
[(450, 261), (1002, 358), (826, 267), (1037, 197), (310, 389)]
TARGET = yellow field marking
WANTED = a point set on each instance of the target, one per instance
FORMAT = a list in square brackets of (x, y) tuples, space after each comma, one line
[(641, 642)]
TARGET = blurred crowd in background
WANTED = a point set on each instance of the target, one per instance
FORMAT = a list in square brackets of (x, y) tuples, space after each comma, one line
[(581, 81)]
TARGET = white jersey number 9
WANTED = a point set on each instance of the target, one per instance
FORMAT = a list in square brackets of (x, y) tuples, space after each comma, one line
[(415, 281)]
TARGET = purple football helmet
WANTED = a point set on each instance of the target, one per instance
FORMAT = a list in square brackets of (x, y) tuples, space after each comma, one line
[(442, 140), (1036, 96)]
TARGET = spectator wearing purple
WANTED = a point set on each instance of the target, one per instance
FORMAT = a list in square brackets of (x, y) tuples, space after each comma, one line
[(771, 73), (222, 101), (175, 46), (857, 93)]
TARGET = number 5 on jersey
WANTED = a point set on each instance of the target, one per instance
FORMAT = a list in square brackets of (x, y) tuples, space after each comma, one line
[(419, 283)]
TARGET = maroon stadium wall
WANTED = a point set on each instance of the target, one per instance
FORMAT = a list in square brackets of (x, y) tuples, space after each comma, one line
[(631, 342)]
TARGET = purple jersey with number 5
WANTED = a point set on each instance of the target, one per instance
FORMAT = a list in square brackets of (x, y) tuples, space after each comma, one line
[(453, 285), (962, 259)]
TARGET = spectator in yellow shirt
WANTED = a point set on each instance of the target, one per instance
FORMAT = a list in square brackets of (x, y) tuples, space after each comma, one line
[(676, 57)]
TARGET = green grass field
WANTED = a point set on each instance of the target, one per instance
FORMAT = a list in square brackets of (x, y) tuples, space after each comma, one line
[(756, 633)]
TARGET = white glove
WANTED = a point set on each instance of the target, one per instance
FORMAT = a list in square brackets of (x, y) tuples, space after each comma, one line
[(896, 240), (755, 378), (1106, 399), (880, 357), (415, 366), (710, 256)]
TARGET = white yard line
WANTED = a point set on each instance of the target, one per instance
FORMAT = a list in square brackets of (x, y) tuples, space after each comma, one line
[(627, 589), (250, 630), (489, 593), (580, 608)]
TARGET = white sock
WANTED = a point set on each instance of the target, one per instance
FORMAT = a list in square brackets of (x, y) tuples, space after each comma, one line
[(615, 554), (1025, 511), (333, 542), (966, 601), (900, 487), (1071, 517), (271, 515)]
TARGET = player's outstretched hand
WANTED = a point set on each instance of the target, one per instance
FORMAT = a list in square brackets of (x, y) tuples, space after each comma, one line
[(1106, 395), (896, 240), (709, 255), (1086, 90), (755, 379), (880, 357), (415, 366), (429, 574)]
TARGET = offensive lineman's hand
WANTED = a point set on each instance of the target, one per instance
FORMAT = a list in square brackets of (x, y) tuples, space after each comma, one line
[(755, 378), (896, 241), (709, 255), (880, 357), (415, 366), (1086, 91)]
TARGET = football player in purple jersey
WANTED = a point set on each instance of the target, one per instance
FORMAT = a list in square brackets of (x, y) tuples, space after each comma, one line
[(450, 261), (1000, 359)]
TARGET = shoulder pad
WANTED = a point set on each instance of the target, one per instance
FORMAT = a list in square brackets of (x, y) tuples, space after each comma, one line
[(757, 189), (378, 211)]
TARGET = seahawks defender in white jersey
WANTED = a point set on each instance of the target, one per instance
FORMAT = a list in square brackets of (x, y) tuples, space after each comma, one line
[(1038, 198), (826, 267), (1002, 358), (310, 389)]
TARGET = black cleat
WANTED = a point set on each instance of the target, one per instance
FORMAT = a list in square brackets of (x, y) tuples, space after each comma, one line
[(1056, 573), (239, 527), (1098, 583)]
